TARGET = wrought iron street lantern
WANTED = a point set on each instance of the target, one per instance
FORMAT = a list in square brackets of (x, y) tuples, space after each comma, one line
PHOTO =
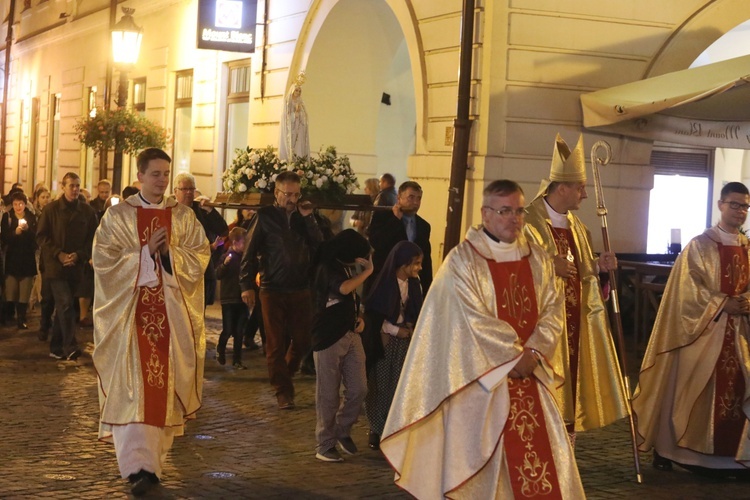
[(126, 45), (126, 40)]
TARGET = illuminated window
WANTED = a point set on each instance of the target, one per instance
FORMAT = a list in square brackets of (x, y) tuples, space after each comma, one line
[(139, 95), (680, 199), (54, 138), (238, 108), (87, 175), (184, 89), (183, 119)]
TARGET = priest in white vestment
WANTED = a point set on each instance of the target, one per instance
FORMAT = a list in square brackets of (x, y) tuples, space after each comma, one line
[(149, 256), (474, 414)]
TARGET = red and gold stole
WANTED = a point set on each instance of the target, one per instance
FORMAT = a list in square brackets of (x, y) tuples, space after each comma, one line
[(152, 326), (564, 242), (729, 419), (531, 465)]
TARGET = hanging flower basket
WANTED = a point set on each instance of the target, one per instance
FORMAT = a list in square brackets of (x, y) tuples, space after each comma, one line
[(121, 130)]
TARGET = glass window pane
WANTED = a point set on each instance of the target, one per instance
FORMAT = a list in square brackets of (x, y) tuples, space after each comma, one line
[(676, 202), (182, 124), (238, 117)]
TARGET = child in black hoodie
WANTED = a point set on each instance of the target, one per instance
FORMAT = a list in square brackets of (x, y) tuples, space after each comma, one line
[(234, 312), (336, 343)]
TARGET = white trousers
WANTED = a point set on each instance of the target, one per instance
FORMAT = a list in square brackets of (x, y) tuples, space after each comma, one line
[(141, 446)]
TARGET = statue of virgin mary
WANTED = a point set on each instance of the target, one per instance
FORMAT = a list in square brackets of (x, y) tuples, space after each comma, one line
[(295, 140)]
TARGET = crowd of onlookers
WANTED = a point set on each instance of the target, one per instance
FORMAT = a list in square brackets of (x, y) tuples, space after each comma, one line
[(46, 247), (346, 299)]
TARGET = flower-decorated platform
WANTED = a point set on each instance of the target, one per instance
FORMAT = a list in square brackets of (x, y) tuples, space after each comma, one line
[(327, 181), (257, 200)]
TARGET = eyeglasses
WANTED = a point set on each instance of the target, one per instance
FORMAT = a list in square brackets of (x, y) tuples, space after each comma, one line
[(190, 190), (507, 212), (737, 206), (296, 196)]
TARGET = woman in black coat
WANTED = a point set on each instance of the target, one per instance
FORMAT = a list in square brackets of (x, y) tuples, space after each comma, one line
[(18, 235)]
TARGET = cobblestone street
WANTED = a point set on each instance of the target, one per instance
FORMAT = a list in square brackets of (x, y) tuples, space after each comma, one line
[(241, 445)]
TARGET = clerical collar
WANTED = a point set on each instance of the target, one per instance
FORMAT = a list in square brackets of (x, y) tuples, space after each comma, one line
[(727, 238), (501, 244), (501, 251), (724, 230), (145, 202), (490, 235), (557, 219)]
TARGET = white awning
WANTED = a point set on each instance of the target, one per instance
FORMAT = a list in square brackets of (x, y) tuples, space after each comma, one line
[(704, 106)]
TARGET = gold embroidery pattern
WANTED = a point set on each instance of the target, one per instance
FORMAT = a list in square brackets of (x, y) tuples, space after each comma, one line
[(571, 297), (152, 226), (516, 300), (570, 321), (730, 402), (524, 420), (154, 326), (736, 271)]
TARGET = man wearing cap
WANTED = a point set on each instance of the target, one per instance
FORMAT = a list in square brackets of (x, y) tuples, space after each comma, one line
[(593, 394)]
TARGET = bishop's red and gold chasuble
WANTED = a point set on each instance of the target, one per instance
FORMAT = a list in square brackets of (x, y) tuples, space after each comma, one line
[(566, 246), (531, 465)]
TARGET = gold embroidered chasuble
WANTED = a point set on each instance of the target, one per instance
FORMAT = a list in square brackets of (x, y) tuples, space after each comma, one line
[(444, 433), (678, 397), (118, 360), (599, 391)]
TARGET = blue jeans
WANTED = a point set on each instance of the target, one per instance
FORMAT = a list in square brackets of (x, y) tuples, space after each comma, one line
[(63, 341)]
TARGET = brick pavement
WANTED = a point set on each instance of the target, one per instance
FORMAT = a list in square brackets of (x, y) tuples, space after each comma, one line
[(240, 446)]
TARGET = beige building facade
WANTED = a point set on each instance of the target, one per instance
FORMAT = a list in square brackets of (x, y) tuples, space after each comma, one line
[(532, 61)]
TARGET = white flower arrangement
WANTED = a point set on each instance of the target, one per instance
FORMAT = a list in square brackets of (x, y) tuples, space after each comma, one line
[(326, 178), (253, 171)]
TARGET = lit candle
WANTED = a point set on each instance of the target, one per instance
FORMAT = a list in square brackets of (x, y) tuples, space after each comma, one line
[(21, 222)]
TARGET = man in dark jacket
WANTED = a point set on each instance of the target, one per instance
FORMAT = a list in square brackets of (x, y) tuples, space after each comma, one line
[(281, 242), (213, 224), (387, 197), (65, 234), (402, 223)]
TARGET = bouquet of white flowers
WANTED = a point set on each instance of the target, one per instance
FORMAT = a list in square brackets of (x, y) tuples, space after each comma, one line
[(253, 171), (326, 178)]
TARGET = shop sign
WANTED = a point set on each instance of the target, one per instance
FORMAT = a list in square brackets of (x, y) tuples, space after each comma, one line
[(227, 25)]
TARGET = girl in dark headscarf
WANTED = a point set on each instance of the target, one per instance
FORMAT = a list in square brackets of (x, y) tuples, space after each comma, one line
[(392, 308), (336, 342)]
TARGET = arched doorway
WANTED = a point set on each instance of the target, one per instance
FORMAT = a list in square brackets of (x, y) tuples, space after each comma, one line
[(358, 54), (697, 192)]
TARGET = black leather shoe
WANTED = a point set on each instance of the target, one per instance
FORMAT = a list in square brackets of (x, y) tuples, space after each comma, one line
[(141, 486), (142, 482), (373, 440), (661, 463)]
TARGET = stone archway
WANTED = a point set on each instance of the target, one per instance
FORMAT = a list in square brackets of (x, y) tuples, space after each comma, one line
[(353, 51), (699, 31), (702, 29)]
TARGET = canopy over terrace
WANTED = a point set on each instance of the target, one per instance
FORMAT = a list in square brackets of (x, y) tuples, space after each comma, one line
[(704, 106)]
